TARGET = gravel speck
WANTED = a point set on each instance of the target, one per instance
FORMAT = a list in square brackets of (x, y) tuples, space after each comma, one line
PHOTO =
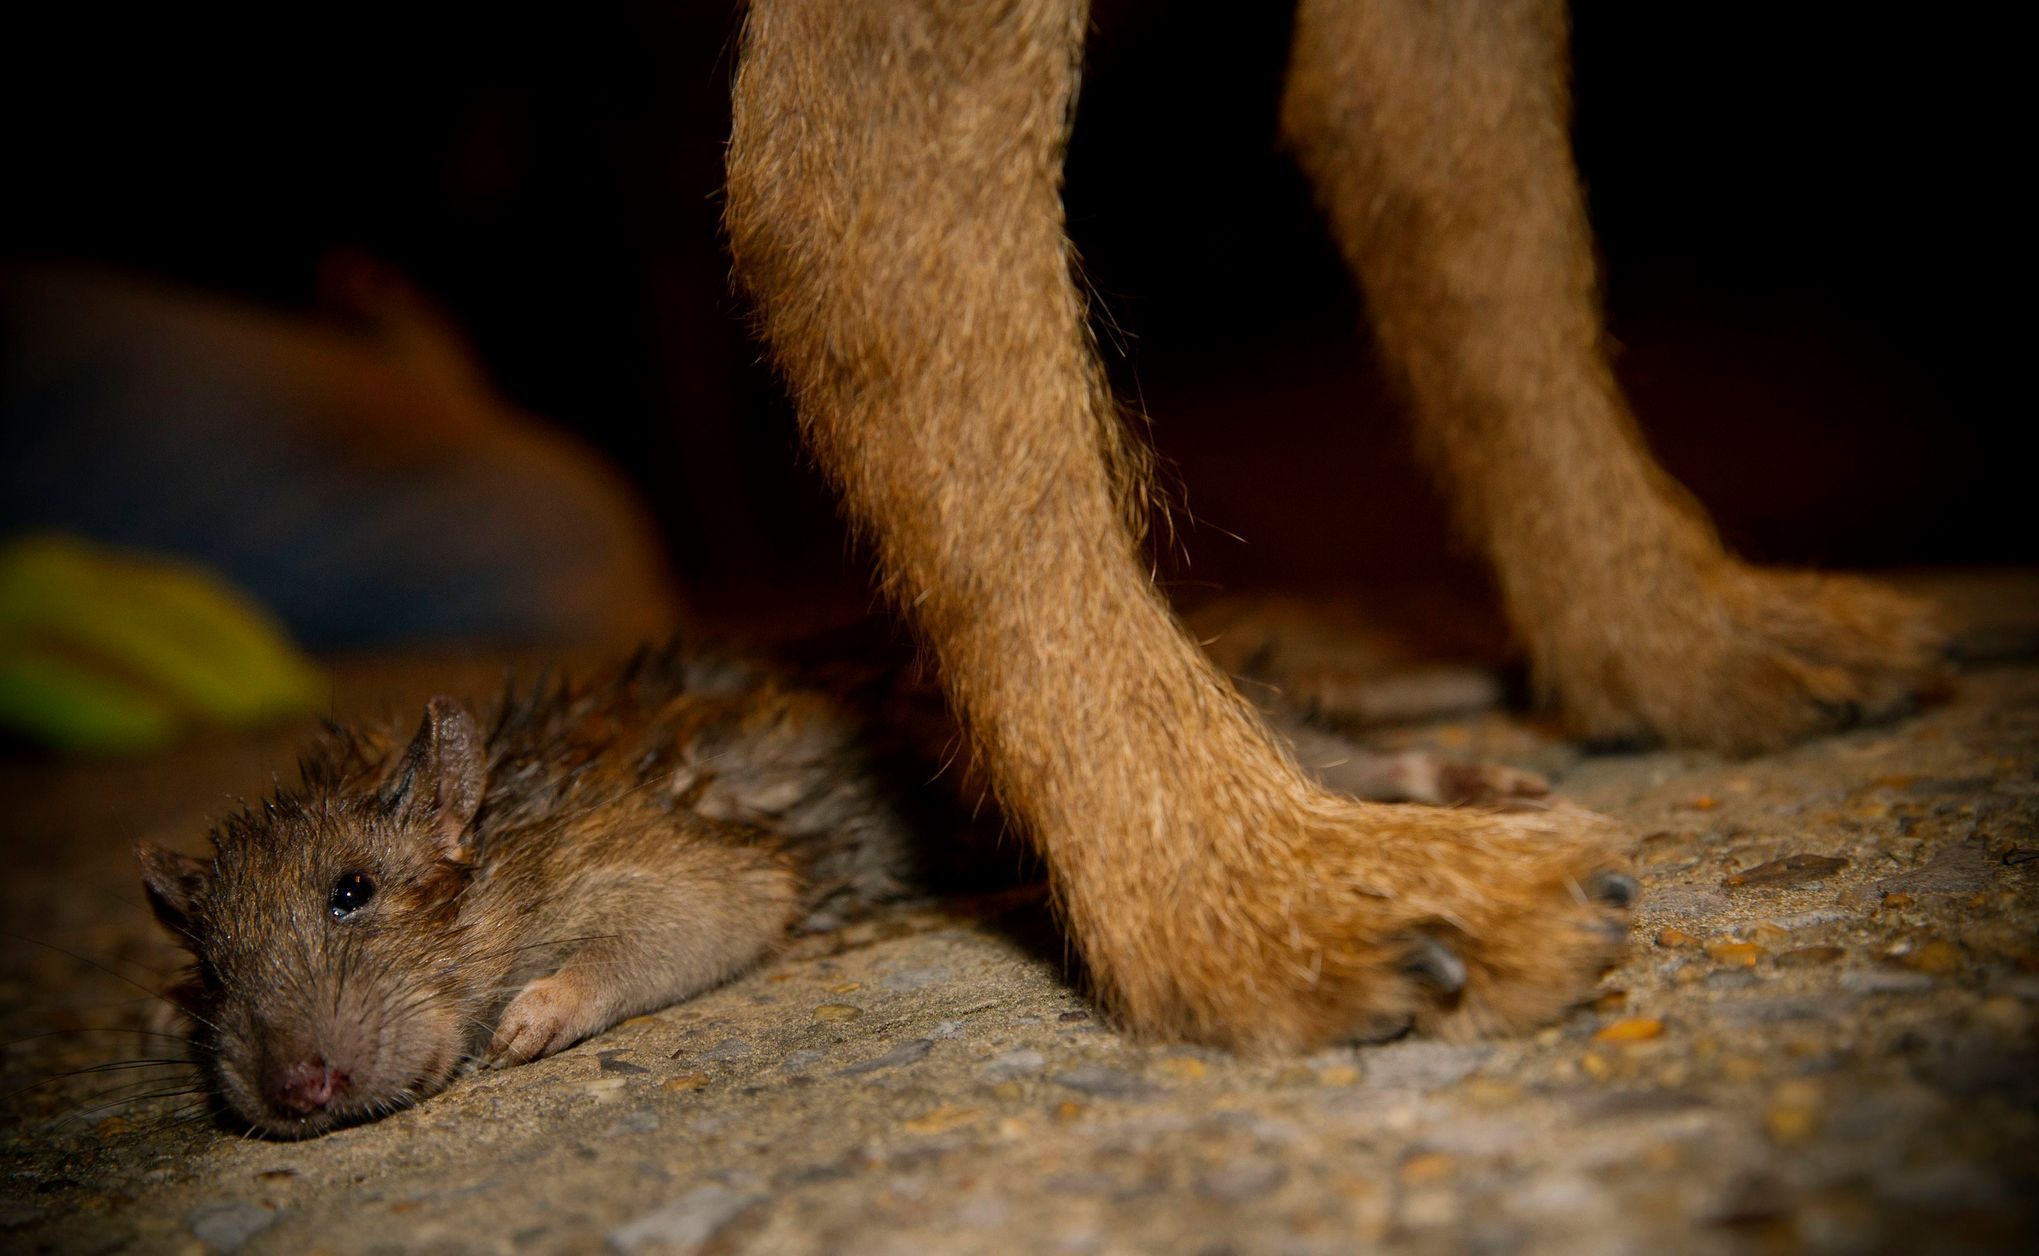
[(805, 1058), (907, 980), (226, 1225), (1096, 1079), (905, 1053), (685, 1223), (1021, 1063)]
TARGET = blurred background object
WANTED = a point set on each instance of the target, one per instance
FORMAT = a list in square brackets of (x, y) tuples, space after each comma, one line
[(286, 297), (102, 651), (364, 482)]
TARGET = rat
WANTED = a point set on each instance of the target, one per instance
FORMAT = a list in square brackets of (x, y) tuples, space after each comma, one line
[(500, 888), (497, 888)]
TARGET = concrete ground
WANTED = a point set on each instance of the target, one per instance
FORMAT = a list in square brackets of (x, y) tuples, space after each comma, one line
[(1824, 1038)]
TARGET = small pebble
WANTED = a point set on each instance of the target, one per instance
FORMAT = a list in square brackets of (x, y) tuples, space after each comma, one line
[(1019, 1063), (805, 1058), (228, 1224), (684, 1224), (1633, 1029), (1183, 1067), (1425, 1167), (837, 1012), (1794, 1112), (722, 1052), (907, 980), (1096, 1079), (905, 1053), (943, 1119), (1938, 957), (638, 1122), (1769, 935), (1675, 938), (1735, 954), (685, 1082), (1790, 870)]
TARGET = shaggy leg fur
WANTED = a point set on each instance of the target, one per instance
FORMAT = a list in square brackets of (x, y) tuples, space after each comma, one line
[(1436, 137), (894, 206)]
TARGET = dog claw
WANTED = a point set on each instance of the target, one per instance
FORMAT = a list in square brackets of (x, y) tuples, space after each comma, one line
[(1434, 963), (1615, 888), (1614, 931)]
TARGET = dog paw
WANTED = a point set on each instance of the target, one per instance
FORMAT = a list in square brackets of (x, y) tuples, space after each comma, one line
[(1374, 920), (547, 1016), (1541, 912), (1758, 660)]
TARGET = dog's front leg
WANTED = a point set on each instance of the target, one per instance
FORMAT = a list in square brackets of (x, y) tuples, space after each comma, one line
[(1436, 136), (895, 209)]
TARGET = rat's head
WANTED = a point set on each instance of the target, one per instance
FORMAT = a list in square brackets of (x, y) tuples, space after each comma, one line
[(331, 955)]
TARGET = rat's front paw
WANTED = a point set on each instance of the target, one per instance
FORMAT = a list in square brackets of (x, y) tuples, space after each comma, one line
[(550, 1014)]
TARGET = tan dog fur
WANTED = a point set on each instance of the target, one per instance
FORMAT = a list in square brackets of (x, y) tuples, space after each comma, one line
[(895, 210)]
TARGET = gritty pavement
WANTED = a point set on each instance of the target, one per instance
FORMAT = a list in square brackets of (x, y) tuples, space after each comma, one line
[(1824, 1038)]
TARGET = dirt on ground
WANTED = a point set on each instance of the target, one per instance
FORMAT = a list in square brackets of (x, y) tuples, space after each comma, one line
[(1823, 1038)]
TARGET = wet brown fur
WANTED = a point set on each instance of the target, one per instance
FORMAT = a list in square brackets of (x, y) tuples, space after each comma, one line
[(600, 851), (894, 208)]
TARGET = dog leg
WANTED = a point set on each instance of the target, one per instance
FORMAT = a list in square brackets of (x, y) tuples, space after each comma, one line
[(1436, 136), (895, 209)]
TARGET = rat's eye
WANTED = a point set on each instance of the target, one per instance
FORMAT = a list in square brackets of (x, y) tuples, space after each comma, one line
[(350, 894)]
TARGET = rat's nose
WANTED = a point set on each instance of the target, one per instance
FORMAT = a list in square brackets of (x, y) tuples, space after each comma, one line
[(309, 1086)]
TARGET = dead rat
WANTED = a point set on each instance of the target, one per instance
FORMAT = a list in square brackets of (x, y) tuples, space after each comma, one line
[(507, 886), (503, 887)]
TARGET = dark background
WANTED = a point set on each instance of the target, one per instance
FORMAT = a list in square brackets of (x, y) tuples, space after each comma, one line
[(1812, 268)]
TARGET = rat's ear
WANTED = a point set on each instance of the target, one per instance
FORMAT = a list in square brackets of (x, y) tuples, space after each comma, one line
[(172, 879), (441, 780)]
